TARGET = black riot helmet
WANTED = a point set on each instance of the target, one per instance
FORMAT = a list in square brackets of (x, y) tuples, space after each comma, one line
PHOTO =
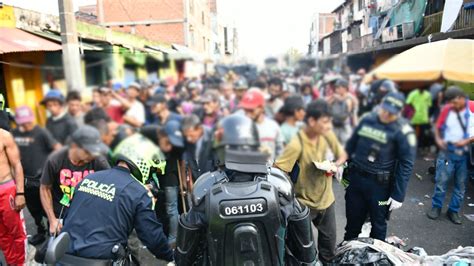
[(239, 132), (239, 145)]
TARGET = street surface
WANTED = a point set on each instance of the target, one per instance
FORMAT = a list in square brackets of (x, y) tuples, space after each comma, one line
[(408, 223)]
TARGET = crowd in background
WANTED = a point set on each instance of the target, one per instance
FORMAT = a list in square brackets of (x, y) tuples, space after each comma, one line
[(181, 119)]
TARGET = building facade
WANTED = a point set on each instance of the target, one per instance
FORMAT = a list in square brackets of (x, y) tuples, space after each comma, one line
[(182, 22), (323, 24), (368, 32)]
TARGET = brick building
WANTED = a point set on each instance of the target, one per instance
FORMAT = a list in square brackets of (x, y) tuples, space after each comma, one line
[(182, 22), (323, 24)]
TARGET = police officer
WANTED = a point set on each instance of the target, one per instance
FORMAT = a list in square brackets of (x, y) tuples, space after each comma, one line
[(108, 204), (382, 151), (246, 213)]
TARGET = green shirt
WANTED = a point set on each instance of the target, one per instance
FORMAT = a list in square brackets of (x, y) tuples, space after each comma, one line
[(314, 188), (288, 131), (421, 102)]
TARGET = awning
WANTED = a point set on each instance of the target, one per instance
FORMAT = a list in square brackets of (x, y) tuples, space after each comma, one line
[(157, 55), (167, 51), (15, 40), (184, 52), (56, 38)]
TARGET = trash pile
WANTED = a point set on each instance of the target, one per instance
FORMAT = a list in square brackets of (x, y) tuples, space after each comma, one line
[(372, 251)]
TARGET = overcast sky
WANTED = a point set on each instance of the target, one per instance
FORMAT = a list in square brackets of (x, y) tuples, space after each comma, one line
[(265, 27), (271, 27)]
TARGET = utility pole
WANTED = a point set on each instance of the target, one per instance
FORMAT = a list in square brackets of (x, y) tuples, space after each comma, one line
[(71, 58)]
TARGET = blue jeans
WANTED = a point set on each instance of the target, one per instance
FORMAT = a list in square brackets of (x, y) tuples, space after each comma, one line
[(172, 215), (450, 165)]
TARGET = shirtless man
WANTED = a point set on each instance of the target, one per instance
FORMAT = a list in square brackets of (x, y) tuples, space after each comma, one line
[(12, 201)]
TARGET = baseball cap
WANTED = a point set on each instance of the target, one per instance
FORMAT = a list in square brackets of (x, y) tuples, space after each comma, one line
[(117, 86), (342, 83), (104, 90), (252, 99), (88, 138), (393, 102), (134, 85), (173, 130), (23, 115), (210, 96), (453, 92), (155, 99), (53, 95)]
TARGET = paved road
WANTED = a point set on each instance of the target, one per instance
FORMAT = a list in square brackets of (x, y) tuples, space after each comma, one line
[(410, 222)]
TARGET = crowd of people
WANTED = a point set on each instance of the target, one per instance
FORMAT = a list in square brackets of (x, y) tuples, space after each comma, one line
[(369, 132)]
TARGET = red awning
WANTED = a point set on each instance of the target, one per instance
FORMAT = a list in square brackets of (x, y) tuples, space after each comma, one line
[(15, 40)]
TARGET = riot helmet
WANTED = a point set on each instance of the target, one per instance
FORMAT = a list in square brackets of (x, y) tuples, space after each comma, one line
[(239, 132), (379, 89), (241, 84), (239, 146), (141, 155)]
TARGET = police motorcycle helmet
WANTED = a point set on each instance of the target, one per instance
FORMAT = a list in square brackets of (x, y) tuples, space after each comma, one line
[(239, 145), (142, 156)]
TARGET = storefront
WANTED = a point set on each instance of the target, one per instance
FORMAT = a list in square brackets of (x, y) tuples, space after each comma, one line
[(22, 56)]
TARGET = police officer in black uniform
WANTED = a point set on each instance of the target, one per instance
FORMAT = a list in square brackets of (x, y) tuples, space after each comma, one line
[(382, 152), (246, 213), (108, 204)]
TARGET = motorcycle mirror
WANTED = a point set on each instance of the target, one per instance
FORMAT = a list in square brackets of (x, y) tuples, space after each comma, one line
[(57, 247)]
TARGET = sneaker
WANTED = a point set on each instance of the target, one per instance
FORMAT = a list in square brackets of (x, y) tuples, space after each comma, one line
[(434, 213), (36, 239), (454, 217)]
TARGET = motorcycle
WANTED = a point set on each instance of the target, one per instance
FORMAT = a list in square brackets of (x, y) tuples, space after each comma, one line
[(56, 254)]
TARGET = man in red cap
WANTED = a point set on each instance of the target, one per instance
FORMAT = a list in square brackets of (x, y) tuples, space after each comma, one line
[(271, 139)]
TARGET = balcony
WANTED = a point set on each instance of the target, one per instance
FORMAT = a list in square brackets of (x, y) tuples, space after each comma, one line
[(335, 42), (361, 43), (354, 45), (432, 23)]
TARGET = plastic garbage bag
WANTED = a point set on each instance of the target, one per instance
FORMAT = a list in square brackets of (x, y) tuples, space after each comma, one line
[(372, 251), (365, 255)]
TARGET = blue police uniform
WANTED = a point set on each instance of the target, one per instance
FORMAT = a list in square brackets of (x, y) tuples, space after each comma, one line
[(107, 205), (381, 162)]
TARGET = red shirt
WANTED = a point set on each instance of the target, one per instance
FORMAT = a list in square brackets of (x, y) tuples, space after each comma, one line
[(116, 113), (445, 112)]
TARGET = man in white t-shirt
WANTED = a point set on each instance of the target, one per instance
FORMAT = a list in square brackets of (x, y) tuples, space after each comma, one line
[(135, 115), (453, 136), (271, 139)]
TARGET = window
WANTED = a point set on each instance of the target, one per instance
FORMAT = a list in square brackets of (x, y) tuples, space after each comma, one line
[(191, 37), (361, 5), (204, 43), (191, 7), (203, 18)]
